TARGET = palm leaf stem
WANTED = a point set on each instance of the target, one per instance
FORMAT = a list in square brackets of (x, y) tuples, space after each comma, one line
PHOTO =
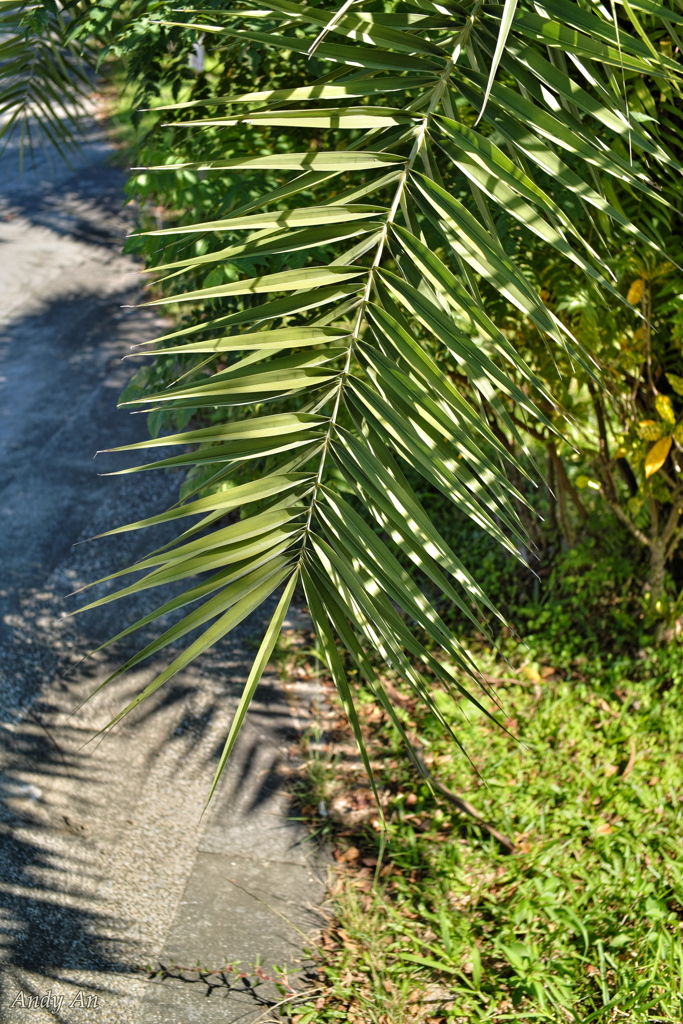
[(440, 89)]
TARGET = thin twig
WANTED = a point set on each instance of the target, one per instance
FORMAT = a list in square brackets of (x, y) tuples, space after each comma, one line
[(462, 805), (306, 994), (631, 761)]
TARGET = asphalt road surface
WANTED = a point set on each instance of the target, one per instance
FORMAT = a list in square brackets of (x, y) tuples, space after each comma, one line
[(106, 864)]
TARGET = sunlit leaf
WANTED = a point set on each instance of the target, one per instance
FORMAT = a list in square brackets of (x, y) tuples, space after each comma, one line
[(657, 456)]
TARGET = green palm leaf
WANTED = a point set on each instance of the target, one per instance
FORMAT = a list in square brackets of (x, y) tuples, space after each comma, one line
[(360, 353), (44, 83)]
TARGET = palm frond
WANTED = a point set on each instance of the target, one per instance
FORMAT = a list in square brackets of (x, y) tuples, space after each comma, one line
[(443, 123), (44, 82)]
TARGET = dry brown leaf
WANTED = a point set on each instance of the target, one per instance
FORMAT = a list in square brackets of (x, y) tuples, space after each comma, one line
[(604, 706)]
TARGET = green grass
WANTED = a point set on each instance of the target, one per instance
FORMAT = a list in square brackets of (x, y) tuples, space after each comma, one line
[(583, 923)]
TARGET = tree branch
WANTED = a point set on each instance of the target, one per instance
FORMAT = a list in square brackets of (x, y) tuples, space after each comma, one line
[(674, 516), (623, 518), (529, 430), (565, 482), (654, 517), (675, 541)]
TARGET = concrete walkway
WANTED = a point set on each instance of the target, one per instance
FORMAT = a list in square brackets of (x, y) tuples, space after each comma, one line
[(105, 862)]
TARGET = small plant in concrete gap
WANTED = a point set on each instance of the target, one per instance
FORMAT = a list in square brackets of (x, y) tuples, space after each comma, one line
[(335, 356)]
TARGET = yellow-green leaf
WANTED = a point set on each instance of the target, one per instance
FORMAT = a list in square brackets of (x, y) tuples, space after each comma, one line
[(635, 292), (656, 457), (349, 117), (665, 408), (649, 430), (675, 382), (344, 160)]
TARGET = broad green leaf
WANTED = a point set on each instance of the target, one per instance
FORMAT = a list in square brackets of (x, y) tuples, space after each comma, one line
[(338, 117), (322, 162), (369, 28), (332, 91), (553, 33), (262, 341), (367, 57), (277, 219), (268, 243), (244, 430), (254, 490), (289, 305), (503, 32), (285, 281), (233, 451)]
